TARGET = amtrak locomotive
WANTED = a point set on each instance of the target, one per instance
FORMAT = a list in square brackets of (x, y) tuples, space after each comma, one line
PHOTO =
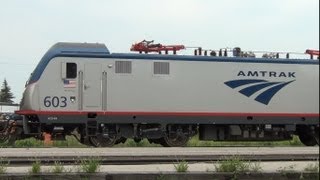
[(103, 98)]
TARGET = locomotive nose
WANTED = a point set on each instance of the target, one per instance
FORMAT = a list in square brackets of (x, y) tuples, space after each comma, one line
[(28, 102), (21, 102)]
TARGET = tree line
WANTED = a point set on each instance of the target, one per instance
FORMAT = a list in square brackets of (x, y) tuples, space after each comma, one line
[(5, 93)]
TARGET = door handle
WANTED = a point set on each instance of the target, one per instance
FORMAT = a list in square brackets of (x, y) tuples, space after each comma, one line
[(86, 87)]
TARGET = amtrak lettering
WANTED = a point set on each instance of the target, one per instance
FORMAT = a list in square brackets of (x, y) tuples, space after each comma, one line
[(266, 74), (255, 82)]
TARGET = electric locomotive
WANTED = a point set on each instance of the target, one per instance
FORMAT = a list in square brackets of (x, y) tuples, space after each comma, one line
[(103, 98)]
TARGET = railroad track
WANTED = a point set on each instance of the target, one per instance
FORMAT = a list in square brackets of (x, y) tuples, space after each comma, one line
[(156, 155)]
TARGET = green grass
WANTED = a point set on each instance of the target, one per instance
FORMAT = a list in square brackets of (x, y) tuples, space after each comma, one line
[(142, 143), (237, 165), (90, 165), (234, 164), (3, 166), (161, 177), (287, 169), (195, 142), (312, 167), (35, 168), (181, 166), (255, 167), (58, 167), (30, 142), (36, 143), (71, 142)]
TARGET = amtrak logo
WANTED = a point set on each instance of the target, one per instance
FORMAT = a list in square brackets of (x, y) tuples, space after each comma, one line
[(271, 88)]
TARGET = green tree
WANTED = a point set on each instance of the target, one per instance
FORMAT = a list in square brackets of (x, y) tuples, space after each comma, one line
[(5, 93)]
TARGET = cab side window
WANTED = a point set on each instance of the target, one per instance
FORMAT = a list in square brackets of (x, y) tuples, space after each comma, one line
[(71, 70)]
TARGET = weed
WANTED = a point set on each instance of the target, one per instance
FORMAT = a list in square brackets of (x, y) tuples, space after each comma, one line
[(70, 141), (182, 166), (142, 143), (3, 166), (58, 167), (161, 177), (36, 168), (131, 143), (234, 164), (30, 142), (90, 165), (295, 141), (193, 142), (68, 170), (255, 167), (312, 167), (286, 170)]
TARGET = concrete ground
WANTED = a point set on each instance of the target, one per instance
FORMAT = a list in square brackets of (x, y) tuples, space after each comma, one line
[(269, 167), (202, 171), (196, 171)]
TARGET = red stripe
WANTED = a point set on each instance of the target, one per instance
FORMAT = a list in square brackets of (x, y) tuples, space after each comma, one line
[(137, 113)]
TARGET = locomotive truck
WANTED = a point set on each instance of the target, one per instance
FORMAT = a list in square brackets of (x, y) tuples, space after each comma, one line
[(103, 98)]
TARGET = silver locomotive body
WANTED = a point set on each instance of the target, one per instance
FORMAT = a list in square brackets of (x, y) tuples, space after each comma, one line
[(106, 98)]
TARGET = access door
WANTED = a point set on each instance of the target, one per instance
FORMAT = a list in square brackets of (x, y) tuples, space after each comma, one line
[(92, 87)]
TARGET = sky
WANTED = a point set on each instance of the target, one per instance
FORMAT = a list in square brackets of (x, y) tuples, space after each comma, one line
[(29, 28)]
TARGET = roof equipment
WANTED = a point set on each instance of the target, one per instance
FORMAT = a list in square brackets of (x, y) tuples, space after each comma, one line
[(149, 46), (312, 53)]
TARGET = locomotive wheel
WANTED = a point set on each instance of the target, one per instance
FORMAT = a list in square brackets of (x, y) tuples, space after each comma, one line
[(100, 141), (176, 140), (307, 139)]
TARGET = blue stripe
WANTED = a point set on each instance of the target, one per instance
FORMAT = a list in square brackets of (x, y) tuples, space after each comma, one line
[(88, 50), (209, 58), (255, 88), (236, 83), (267, 95), (68, 50)]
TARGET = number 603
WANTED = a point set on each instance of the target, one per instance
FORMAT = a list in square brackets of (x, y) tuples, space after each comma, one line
[(55, 101)]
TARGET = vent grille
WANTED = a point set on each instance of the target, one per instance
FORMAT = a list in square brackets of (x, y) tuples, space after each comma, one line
[(161, 68), (123, 67)]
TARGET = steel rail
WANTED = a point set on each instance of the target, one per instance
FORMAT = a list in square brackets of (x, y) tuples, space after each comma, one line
[(156, 155)]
